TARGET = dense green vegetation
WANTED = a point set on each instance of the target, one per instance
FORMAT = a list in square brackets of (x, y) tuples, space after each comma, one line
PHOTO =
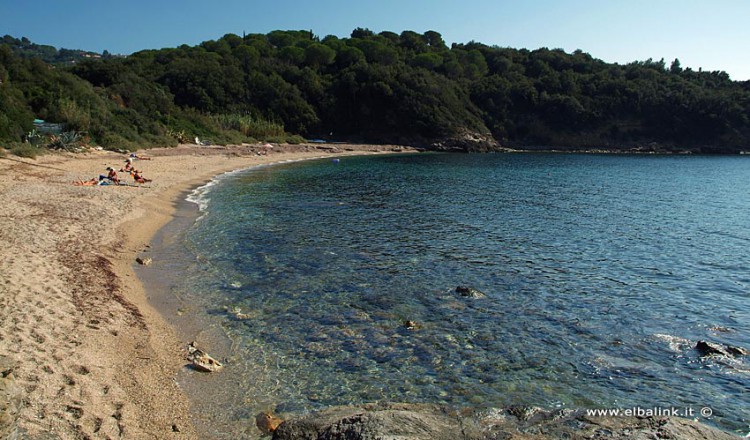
[(50, 54), (386, 87)]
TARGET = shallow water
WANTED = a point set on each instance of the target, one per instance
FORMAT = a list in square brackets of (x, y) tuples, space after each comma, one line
[(600, 274)]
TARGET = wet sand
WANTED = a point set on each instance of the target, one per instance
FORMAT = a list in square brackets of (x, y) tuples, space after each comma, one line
[(90, 354)]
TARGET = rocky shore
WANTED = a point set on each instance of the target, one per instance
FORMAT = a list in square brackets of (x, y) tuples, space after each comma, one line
[(434, 422)]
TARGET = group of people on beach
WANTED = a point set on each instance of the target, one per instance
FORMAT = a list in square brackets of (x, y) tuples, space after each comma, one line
[(111, 178)]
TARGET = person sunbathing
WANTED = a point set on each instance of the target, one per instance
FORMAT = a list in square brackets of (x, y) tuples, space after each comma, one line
[(139, 178), (92, 182), (135, 156), (128, 165), (112, 175)]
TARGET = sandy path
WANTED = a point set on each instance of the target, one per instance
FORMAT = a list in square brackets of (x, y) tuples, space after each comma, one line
[(92, 358)]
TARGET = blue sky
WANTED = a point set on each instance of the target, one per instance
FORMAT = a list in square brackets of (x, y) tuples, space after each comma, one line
[(713, 35)]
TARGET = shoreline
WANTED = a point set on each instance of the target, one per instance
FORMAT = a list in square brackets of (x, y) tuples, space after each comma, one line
[(88, 354), (91, 354)]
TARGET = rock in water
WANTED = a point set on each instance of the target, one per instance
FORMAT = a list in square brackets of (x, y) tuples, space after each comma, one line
[(470, 292), (267, 423), (143, 261), (714, 349), (201, 361), (411, 325)]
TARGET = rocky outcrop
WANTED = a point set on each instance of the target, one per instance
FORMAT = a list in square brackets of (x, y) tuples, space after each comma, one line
[(467, 142), (11, 400), (435, 422)]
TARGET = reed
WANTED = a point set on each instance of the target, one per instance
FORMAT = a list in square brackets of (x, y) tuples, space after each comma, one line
[(250, 126)]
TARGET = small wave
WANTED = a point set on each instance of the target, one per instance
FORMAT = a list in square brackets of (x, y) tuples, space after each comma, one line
[(676, 343), (200, 195)]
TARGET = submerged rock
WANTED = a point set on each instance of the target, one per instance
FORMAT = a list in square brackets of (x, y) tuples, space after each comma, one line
[(720, 329), (201, 361), (470, 292), (237, 313), (411, 325)]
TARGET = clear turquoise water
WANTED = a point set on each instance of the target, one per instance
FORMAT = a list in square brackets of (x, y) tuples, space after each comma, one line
[(601, 272)]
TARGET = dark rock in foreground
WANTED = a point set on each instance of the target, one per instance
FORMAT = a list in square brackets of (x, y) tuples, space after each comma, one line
[(435, 422)]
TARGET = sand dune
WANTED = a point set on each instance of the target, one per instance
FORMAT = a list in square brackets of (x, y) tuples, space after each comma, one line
[(90, 356)]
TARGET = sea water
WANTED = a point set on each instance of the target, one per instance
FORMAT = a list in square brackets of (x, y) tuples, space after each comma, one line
[(601, 272)]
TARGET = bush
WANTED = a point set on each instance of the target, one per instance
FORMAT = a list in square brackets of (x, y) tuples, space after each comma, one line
[(25, 150), (115, 142), (295, 139), (249, 126), (69, 141)]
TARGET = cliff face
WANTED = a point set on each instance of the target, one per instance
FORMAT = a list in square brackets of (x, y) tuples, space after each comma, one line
[(433, 422)]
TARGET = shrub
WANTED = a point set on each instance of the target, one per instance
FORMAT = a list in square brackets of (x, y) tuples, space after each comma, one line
[(115, 142), (69, 141), (25, 150), (249, 126)]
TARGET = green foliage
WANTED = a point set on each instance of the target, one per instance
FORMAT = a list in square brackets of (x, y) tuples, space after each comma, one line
[(15, 116), (319, 55), (292, 54), (22, 149), (68, 141), (384, 87), (250, 126), (116, 142), (429, 61), (49, 54)]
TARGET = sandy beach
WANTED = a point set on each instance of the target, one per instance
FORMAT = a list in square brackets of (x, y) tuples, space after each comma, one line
[(88, 356)]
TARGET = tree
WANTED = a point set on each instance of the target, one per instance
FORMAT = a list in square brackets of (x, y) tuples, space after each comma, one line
[(292, 54), (675, 66), (318, 55), (413, 41), (362, 33), (434, 40), (247, 56), (429, 61)]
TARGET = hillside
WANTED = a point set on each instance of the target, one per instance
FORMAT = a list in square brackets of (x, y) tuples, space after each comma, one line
[(386, 87), (49, 54)]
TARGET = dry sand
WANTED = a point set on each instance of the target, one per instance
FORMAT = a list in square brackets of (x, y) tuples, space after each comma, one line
[(90, 355)]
